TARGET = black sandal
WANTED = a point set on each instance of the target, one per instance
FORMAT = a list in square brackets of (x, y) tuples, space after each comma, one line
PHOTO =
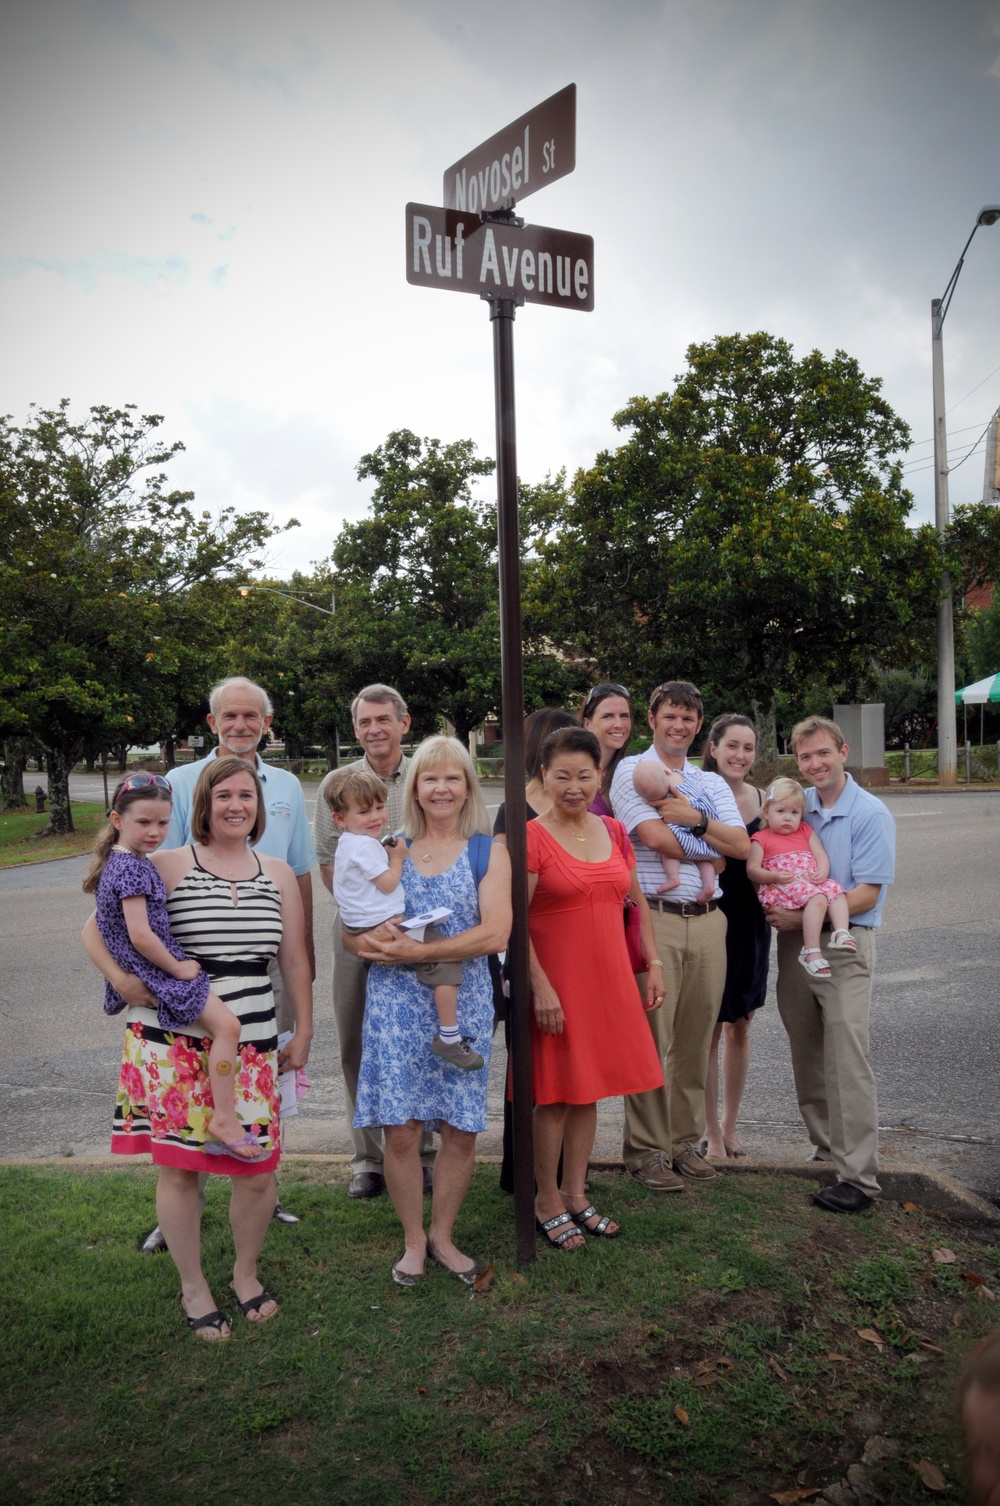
[(601, 1229), (560, 1222)]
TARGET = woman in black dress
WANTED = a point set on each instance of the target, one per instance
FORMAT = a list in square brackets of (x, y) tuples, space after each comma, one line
[(730, 749)]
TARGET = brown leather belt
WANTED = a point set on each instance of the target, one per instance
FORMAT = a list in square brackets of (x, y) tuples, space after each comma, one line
[(685, 907)]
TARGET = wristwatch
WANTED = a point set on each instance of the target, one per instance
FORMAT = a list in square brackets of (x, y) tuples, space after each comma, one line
[(700, 829)]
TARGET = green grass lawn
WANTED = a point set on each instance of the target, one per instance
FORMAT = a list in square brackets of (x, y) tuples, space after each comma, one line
[(732, 1343), (21, 839)]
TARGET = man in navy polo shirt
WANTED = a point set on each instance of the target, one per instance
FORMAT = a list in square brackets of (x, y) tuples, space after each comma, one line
[(827, 1018)]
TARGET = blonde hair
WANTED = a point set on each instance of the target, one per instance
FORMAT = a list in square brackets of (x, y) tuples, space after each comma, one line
[(783, 789), (215, 771), (440, 753), (811, 726), (349, 786)]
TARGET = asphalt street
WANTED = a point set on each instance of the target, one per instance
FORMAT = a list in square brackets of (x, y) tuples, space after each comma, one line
[(935, 1029)]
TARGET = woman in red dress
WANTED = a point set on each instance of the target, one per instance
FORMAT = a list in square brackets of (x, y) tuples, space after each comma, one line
[(590, 1038)]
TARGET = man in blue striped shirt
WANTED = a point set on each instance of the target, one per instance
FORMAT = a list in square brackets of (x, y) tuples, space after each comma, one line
[(664, 1127)]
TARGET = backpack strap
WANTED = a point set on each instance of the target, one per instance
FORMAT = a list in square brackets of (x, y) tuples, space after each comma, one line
[(479, 855)]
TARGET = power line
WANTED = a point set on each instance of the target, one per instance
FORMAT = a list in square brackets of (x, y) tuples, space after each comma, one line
[(952, 432), (975, 389), (929, 464)]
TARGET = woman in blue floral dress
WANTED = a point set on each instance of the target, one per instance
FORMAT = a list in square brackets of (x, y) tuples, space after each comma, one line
[(402, 1085)]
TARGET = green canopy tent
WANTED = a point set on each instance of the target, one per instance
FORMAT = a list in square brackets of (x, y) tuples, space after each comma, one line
[(982, 693)]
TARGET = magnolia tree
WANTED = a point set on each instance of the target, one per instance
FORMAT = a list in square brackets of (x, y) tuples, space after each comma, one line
[(752, 534), (112, 588)]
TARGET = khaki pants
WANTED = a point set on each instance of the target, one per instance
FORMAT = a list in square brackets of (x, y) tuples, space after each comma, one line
[(693, 952), (827, 1024), (349, 1014)]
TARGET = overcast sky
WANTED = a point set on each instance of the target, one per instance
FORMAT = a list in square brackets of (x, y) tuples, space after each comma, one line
[(203, 214)]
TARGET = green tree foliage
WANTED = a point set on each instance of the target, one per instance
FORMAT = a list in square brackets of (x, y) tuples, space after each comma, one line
[(111, 600), (974, 545), (983, 640), (285, 641), (417, 587), (910, 701), (751, 534)]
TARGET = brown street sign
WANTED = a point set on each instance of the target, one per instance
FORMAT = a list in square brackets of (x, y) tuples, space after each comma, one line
[(450, 250), (533, 150)]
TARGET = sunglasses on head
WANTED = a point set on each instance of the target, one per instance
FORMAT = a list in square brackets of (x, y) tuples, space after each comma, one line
[(601, 693), (142, 781)]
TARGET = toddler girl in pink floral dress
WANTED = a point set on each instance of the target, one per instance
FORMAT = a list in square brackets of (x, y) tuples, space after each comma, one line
[(789, 863)]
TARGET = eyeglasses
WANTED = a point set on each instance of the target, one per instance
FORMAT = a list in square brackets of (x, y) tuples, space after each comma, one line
[(601, 693), (142, 781)]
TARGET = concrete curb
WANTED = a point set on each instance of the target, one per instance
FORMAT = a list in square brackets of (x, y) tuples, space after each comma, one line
[(932, 1190)]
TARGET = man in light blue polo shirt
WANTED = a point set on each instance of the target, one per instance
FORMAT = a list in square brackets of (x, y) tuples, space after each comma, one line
[(827, 1018)]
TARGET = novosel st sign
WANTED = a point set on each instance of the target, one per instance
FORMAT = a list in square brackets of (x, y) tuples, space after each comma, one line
[(450, 250), (533, 150)]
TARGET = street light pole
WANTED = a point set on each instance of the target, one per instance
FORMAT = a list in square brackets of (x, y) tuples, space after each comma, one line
[(947, 738)]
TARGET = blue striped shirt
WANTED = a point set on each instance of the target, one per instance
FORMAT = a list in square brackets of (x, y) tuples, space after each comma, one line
[(631, 810)]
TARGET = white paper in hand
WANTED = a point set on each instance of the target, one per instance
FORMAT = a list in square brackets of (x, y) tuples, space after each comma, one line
[(289, 1103), (417, 924)]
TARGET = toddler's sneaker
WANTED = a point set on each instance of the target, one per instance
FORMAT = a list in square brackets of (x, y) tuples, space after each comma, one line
[(459, 1053)]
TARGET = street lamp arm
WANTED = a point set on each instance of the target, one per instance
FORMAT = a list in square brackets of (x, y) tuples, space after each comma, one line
[(273, 591), (988, 215), (947, 740)]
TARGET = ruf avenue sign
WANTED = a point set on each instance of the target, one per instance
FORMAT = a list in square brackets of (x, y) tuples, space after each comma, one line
[(533, 150), (450, 250)]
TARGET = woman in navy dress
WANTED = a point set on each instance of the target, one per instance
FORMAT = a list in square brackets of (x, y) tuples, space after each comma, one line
[(730, 749)]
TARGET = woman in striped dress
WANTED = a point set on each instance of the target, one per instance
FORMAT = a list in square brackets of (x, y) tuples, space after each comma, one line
[(232, 910)]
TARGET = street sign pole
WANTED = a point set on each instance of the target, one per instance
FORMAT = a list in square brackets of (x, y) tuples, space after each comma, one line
[(475, 244), (515, 825)]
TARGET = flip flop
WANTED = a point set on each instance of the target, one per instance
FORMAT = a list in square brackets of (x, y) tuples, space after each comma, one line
[(254, 1305), (232, 1148), (209, 1320)]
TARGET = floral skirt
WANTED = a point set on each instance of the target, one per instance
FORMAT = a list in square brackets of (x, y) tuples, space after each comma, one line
[(165, 1096), (797, 893)]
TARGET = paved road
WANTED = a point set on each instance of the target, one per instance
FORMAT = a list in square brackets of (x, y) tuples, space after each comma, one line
[(935, 1019)]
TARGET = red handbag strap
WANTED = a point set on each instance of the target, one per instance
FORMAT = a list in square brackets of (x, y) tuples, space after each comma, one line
[(614, 827)]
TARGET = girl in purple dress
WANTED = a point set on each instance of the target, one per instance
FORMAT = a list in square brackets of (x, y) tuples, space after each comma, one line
[(132, 920)]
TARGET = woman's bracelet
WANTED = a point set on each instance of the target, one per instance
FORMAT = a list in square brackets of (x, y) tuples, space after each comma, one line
[(654, 962)]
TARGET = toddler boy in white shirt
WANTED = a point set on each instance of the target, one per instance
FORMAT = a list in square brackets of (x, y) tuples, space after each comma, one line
[(367, 885)]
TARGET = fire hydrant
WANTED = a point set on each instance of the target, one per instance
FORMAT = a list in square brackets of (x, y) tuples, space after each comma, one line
[(40, 799)]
